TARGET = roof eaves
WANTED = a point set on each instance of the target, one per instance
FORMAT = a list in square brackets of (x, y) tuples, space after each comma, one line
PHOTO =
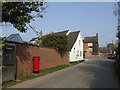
[(72, 39)]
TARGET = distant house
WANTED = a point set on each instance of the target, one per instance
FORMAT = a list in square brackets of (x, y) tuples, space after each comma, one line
[(104, 51), (37, 40), (91, 45), (75, 45), (34, 39)]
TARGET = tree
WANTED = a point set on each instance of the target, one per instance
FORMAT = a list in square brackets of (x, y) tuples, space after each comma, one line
[(117, 13), (95, 48), (111, 46), (118, 34), (56, 41), (19, 14)]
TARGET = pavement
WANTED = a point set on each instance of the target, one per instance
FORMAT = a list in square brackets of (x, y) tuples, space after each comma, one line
[(89, 74)]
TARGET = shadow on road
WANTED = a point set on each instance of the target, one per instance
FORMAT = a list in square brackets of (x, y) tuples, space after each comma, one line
[(103, 73)]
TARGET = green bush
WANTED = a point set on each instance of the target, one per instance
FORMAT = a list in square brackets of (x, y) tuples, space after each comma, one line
[(118, 50), (56, 41), (117, 62), (117, 68)]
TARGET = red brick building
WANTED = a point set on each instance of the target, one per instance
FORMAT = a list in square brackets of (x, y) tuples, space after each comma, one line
[(91, 46)]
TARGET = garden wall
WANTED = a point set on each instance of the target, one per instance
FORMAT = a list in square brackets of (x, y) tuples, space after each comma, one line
[(48, 58)]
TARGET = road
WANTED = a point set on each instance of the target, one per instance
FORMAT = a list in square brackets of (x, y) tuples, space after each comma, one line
[(89, 74)]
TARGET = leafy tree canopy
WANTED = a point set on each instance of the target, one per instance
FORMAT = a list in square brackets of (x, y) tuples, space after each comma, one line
[(56, 41), (112, 46), (118, 34), (19, 14)]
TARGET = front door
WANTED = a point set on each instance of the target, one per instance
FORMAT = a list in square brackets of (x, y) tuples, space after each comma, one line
[(8, 68)]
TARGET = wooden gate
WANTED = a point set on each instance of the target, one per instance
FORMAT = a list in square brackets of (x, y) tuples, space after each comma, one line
[(8, 70)]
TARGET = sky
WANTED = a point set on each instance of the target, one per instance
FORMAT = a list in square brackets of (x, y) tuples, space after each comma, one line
[(88, 17)]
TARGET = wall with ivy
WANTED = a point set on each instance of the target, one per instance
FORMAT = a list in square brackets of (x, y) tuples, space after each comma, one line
[(56, 41)]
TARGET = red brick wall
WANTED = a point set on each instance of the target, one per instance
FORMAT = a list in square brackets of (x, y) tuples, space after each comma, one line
[(91, 56), (48, 58), (85, 46)]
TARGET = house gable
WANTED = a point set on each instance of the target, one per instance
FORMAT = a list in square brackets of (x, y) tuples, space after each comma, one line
[(76, 50), (72, 37)]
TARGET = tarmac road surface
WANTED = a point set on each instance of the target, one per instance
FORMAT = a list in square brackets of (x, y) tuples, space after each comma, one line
[(89, 74)]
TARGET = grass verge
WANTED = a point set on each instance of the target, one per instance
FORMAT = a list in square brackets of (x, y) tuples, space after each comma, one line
[(42, 72), (34, 75)]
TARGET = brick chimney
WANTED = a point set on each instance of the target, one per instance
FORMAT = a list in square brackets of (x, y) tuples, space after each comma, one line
[(97, 34), (40, 34)]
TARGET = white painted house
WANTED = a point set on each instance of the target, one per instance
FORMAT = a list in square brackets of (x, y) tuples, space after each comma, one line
[(75, 45)]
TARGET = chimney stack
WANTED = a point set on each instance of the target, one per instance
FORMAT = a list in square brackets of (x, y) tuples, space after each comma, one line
[(40, 34), (97, 34)]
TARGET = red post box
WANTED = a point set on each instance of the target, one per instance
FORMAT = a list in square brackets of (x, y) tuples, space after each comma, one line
[(36, 64)]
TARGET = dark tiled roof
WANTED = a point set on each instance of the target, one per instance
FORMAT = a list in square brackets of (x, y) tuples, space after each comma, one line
[(92, 39), (15, 38), (62, 32), (71, 39), (33, 39), (103, 50)]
